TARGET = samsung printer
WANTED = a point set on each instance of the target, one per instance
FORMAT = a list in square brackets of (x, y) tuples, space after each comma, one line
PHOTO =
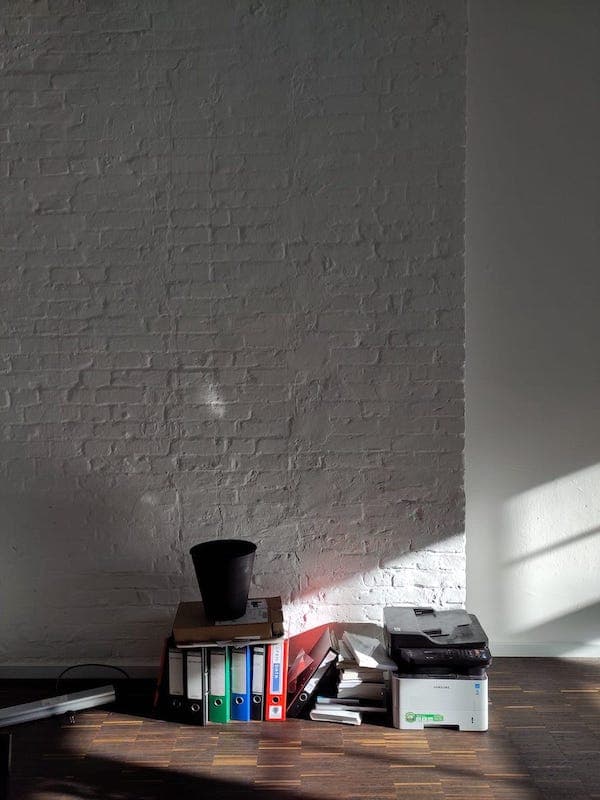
[(442, 657)]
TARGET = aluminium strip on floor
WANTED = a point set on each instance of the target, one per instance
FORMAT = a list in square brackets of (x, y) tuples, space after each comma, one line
[(50, 706)]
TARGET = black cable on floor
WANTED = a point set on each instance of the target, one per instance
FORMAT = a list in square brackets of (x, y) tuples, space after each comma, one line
[(81, 666)]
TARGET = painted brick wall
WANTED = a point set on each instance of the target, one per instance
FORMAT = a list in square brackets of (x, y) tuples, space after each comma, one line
[(231, 306)]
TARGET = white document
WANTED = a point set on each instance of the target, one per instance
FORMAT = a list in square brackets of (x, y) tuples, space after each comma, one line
[(368, 652)]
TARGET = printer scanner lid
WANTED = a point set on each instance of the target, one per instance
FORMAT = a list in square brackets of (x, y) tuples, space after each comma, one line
[(410, 626)]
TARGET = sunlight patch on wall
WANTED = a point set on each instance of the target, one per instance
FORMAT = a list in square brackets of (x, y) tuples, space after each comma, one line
[(209, 395), (356, 589), (551, 551)]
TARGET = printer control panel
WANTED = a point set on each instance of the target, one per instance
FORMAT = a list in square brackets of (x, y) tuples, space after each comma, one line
[(446, 656), (451, 653)]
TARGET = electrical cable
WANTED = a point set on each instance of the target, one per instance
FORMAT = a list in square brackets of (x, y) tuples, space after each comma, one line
[(81, 666)]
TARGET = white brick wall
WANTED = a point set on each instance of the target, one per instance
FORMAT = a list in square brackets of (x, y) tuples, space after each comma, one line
[(231, 306)]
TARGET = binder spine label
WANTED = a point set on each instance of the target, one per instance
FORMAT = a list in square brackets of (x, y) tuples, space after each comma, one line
[(194, 687), (258, 682), (275, 684), (276, 681), (195, 676), (240, 683), (219, 682), (175, 673)]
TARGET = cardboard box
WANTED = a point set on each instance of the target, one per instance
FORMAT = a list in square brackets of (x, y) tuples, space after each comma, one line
[(263, 620)]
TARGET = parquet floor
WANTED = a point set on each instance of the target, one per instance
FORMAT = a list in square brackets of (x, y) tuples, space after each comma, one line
[(543, 742)]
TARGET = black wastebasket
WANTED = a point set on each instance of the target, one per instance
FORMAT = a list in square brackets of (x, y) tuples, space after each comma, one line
[(224, 571)]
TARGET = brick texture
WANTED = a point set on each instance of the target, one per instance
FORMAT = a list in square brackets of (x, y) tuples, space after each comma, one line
[(231, 306)]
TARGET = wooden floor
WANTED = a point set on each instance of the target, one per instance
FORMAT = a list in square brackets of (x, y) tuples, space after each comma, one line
[(543, 742)]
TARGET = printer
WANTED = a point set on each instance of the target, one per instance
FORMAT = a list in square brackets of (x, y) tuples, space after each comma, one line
[(442, 658)]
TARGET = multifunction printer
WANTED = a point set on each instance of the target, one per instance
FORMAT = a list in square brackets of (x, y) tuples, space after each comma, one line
[(442, 658)]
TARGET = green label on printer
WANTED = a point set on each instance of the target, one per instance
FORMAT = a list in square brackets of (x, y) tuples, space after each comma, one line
[(411, 717)]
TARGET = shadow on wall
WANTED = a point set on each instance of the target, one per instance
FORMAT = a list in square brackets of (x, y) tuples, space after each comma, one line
[(87, 561), (97, 567), (98, 561)]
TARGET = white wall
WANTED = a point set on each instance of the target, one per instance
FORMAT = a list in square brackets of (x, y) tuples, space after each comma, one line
[(533, 332), (231, 305)]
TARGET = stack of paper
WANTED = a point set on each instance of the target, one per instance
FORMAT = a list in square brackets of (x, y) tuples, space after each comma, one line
[(368, 652), (364, 669), (336, 715)]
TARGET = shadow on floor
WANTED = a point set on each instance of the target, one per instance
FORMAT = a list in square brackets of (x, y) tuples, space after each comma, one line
[(542, 743)]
